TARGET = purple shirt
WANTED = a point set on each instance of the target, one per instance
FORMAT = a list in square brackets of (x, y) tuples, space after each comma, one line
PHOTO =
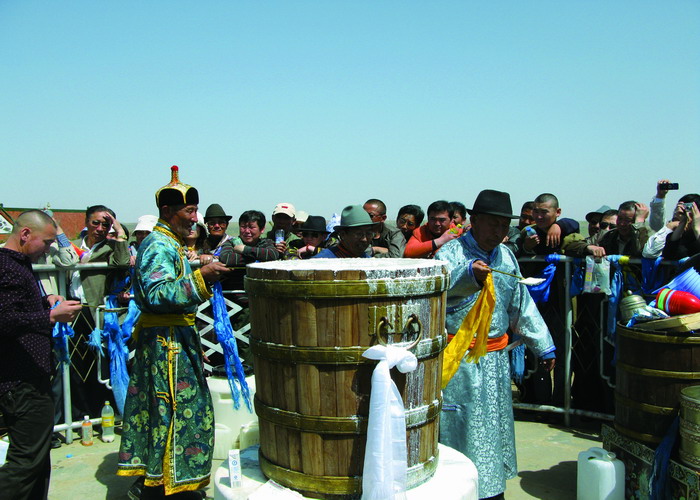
[(25, 326)]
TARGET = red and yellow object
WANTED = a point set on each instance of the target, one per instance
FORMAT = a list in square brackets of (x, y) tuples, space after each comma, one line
[(677, 301)]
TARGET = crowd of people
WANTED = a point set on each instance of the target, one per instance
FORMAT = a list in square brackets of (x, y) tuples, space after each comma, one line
[(167, 436)]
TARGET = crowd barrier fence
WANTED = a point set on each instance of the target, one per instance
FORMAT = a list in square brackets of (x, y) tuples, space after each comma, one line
[(233, 308)]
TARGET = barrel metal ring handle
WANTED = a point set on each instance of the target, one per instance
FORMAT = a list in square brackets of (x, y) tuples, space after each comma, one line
[(384, 324), (414, 319)]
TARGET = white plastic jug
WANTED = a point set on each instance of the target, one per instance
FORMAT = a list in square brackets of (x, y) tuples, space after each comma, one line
[(601, 476), (4, 445), (228, 420)]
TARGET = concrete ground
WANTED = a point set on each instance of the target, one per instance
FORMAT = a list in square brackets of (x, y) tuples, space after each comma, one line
[(547, 455)]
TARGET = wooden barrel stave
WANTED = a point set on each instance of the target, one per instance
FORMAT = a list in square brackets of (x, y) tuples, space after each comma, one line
[(652, 369)]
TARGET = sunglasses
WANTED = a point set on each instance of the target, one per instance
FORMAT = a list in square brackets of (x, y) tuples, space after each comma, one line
[(607, 225), (406, 223)]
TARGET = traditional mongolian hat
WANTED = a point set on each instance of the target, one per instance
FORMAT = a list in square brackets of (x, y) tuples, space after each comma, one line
[(176, 193), (492, 202)]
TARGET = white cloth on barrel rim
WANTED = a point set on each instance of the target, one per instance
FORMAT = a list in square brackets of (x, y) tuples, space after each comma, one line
[(384, 472)]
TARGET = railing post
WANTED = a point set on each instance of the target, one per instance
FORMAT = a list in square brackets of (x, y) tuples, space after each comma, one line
[(567, 342)]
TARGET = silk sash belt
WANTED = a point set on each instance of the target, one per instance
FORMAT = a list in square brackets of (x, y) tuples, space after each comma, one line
[(492, 344)]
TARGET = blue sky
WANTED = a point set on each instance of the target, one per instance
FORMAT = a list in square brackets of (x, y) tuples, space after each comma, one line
[(325, 104)]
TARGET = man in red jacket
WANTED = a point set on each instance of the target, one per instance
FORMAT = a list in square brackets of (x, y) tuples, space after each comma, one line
[(427, 239)]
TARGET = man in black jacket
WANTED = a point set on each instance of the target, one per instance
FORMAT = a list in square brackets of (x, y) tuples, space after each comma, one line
[(27, 316)]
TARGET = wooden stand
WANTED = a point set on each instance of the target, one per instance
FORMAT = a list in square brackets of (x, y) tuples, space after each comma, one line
[(637, 457)]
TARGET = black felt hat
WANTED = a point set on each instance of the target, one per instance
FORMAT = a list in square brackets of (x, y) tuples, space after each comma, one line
[(314, 223), (492, 202)]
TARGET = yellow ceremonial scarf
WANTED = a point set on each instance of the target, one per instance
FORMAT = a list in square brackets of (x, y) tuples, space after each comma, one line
[(476, 326)]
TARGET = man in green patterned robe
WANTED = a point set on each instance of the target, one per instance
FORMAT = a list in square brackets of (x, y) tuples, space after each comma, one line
[(168, 430)]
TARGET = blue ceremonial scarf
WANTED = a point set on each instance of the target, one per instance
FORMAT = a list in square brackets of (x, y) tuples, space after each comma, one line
[(59, 333), (615, 292), (658, 479), (577, 278), (517, 361), (540, 293), (650, 275), (116, 346), (232, 362), (117, 337)]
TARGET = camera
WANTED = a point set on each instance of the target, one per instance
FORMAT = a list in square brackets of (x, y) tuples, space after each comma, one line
[(689, 206), (669, 186)]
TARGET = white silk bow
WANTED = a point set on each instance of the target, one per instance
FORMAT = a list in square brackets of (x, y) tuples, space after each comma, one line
[(384, 473)]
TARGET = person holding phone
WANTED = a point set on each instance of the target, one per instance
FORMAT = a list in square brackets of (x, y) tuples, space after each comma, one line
[(657, 206), (684, 241)]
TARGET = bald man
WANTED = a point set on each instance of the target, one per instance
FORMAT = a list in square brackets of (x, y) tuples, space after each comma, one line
[(388, 240), (27, 316)]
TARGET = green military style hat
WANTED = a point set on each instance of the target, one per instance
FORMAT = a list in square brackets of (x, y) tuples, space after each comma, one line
[(175, 192)]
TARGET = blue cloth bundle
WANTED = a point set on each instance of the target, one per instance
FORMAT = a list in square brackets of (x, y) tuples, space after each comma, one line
[(59, 333), (615, 292), (650, 274), (540, 293), (577, 277), (658, 479), (517, 362), (118, 352), (232, 362)]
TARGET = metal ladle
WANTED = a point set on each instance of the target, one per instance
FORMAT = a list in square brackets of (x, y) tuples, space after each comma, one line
[(524, 281)]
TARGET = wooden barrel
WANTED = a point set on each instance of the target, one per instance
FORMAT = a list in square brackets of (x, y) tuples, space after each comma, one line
[(310, 323), (689, 449), (652, 369)]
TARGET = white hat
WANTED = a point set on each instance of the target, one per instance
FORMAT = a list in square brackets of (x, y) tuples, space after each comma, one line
[(301, 216), (284, 208), (146, 223)]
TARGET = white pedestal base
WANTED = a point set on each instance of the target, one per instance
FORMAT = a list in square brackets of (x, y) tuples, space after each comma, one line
[(455, 478)]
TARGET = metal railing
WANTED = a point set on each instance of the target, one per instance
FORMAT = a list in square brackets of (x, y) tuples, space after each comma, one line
[(233, 308), (209, 347)]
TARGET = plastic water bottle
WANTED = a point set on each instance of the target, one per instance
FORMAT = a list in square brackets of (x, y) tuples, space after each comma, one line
[(86, 432), (107, 423), (530, 231)]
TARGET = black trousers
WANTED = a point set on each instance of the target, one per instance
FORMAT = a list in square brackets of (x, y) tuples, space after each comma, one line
[(28, 411)]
